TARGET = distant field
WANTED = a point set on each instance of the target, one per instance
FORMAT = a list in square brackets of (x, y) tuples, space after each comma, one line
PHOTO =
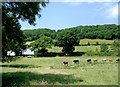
[(29, 42), (77, 48), (93, 41), (81, 48), (51, 71), (85, 41)]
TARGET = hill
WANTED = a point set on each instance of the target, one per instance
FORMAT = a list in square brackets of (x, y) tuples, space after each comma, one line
[(107, 31)]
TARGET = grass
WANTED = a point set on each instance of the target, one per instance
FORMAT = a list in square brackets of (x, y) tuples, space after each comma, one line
[(85, 41), (51, 71), (93, 41), (85, 48), (77, 48), (55, 49)]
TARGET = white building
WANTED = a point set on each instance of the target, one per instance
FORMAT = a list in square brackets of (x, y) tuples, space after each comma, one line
[(11, 53), (28, 51)]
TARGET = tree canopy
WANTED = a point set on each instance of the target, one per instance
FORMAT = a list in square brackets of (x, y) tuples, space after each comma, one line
[(104, 48), (42, 42), (107, 31), (67, 40), (116, 47), (12, 12)]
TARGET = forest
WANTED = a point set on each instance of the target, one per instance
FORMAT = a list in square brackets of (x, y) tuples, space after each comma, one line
[(107, 31)]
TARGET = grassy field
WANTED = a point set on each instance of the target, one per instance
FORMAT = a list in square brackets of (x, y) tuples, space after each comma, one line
[(77, 48), (85, 41), (93, 41), (51, 71)]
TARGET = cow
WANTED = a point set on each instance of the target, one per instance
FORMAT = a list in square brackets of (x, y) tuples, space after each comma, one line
[(103, 59), (117, 60), (65, 63), (95, 60), (89, 60), (76, 61), (110, 60)]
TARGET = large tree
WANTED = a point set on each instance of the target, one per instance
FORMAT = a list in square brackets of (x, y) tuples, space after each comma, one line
[(12, 12), (67, 39), (42, 42), (116, 46)]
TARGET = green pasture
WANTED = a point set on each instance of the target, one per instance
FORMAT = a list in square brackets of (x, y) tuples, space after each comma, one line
[(85, 41), (51, 71), (77, 48), (93, 41)]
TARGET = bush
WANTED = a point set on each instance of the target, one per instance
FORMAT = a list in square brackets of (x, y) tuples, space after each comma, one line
[(41, 52), (83, 45), (97, 43), (104, 48), (9, 59), (90, 53), (93, 53), (88, 43), (96, 50)]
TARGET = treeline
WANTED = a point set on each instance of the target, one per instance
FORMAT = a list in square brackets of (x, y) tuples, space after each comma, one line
[(107, 31), (35, 34)]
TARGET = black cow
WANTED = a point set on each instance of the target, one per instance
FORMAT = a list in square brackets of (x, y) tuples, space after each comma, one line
[(117, 59), (89, 60), (76, 61)]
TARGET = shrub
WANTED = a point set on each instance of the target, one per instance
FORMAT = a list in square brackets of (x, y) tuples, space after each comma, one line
[(96, 50), (93, 53), (90, 53), (97, 43), (41, 52), (88, 43), (10, 59), (104, 48)]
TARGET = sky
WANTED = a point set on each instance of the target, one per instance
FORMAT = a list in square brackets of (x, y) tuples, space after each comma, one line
[(66, 14)]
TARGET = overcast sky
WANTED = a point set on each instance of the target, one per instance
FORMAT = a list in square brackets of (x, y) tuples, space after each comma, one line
[(66, 14)]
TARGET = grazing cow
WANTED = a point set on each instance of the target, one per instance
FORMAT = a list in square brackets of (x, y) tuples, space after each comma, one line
[(65, 63), (110, 60), (95, 60), (117, 60), (76, 61), (103, 59), (89, 60)]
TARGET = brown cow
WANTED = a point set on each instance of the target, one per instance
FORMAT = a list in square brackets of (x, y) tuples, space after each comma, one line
[(110, 60), (65, 63)]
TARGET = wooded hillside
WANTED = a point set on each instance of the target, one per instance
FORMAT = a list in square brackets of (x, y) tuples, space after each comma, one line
[(107, 31)]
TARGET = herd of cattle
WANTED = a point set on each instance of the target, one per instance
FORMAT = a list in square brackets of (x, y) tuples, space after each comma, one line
[(89, 61)]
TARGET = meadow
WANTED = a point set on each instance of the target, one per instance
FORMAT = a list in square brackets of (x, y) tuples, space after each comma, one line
[(93, 41), (51, 71), (85, 41), (77, 48)]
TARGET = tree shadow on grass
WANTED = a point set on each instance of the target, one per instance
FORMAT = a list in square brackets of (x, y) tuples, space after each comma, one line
[(54, 54), (20, 66), (24, 78)]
